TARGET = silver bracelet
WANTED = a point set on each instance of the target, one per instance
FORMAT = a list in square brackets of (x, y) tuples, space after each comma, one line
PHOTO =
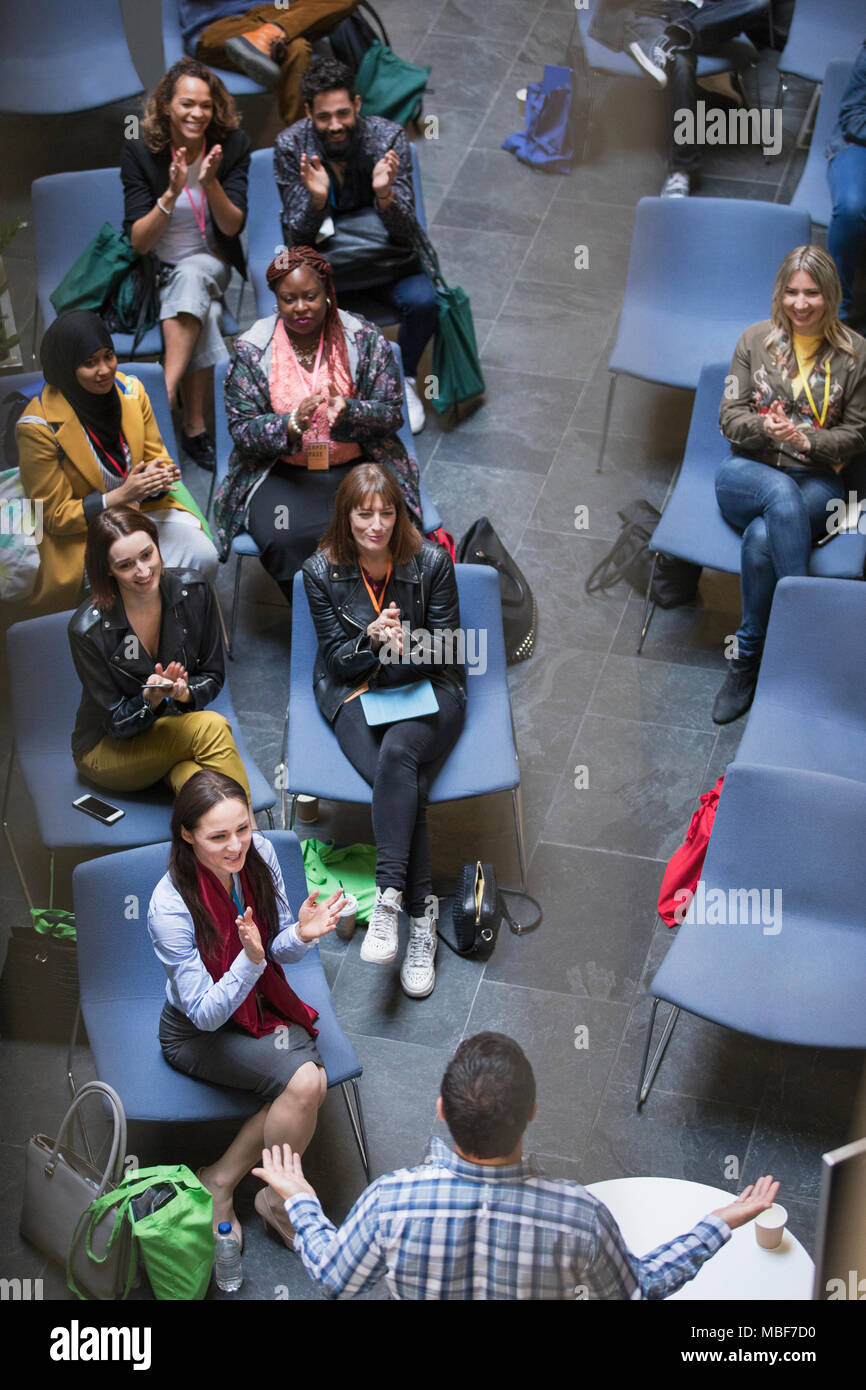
[(166, 211)]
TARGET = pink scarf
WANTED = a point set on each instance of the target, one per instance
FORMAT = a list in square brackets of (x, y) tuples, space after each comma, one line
[(290, 383)]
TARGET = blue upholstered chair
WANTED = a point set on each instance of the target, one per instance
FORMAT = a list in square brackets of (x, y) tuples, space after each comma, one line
[(692, 526), (809, 712), (123, 991), (173, 50), (699, 272), (54, 60), (813, 191), (484, 759), (42, 731), (791, 967)]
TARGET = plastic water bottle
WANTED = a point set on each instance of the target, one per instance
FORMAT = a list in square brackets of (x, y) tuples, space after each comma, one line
[(227, 1260)]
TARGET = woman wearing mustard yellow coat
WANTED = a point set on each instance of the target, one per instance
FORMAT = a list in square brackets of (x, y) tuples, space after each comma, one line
[(91, 441)]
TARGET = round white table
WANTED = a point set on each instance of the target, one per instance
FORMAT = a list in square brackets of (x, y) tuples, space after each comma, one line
[(651, 1211)]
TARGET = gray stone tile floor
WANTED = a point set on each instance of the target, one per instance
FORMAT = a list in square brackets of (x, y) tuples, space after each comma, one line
[(641, 726)]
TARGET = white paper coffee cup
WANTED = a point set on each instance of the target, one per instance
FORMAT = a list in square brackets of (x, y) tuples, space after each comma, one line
[(770, 1227), (346, 919), (307, 809)]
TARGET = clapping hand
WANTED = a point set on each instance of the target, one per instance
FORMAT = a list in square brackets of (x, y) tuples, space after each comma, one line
[(209, 166), (387, 628), (250, 937), (170, 683), (178, 171), (315, 178), (281, 1169), (384, 173), (336, 406), (306, 410), (754, 1199), (316, 919), (781, 430)]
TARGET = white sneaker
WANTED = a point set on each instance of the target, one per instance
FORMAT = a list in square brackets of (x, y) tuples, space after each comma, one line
[(418, 972), (652, 56), (380, 943), (417, 418), (676, 186)]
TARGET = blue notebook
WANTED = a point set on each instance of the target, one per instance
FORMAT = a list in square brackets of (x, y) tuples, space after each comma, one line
[(399, 702)]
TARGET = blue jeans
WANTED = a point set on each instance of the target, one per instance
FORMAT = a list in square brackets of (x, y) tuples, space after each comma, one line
[(780, 512), (414, 298), (846, 234)]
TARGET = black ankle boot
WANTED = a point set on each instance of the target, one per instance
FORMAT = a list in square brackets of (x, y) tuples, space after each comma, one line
[(738, 690)]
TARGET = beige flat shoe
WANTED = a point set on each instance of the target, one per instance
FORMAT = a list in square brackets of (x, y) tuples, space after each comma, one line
[(277, 1220)]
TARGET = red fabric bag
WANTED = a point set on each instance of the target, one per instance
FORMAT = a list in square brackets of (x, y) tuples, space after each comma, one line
[(684, 869)]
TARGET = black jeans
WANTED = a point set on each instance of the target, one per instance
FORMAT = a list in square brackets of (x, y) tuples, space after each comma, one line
[(394, 759)]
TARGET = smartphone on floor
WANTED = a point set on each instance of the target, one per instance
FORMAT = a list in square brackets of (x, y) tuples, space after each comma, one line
[(100, 810)]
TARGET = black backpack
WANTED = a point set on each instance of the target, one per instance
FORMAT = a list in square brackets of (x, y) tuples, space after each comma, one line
[(351, 39)]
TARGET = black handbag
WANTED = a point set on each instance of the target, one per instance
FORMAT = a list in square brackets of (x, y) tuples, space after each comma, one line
[(673, 581), (363, 255), (353, 36), (38, 987), (478, 909), (482, 546)]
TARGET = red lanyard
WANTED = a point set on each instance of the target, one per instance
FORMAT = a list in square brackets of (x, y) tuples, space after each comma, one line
[(199, 216), (377, 602), (119, 468)]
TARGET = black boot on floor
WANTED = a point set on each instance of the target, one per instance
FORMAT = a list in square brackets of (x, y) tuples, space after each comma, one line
[(738, 691)]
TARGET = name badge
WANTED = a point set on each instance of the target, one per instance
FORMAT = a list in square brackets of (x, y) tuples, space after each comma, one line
[(318, 455)]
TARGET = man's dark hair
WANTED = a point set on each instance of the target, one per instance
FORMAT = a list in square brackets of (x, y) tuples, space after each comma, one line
[(326, 75), (488, 1092)]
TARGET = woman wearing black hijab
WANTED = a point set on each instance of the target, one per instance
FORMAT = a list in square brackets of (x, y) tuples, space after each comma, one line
[(90, 441)]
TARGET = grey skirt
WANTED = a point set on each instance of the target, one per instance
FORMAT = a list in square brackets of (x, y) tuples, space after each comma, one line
[(230, 1057)]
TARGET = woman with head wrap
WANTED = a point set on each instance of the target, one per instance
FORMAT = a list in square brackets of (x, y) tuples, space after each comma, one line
[(90, 441), (312, 390)]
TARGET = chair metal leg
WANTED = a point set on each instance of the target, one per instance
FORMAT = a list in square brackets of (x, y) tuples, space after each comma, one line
[(270, 815), (606, 426), (283, 772), (233, 617), (805, 128), (292, 811), (222, 621), (517, 812), (590, 115), (210, 493), (648, 1077), (79, 1116), (649, 606), (356, 1119), (21, 879)]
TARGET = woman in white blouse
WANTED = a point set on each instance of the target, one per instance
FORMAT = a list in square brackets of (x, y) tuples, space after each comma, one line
[(221, 926)]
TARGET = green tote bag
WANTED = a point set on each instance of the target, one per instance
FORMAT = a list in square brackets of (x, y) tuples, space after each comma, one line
[(170, 1215), (389, 86), (456, 364), (96, 274)]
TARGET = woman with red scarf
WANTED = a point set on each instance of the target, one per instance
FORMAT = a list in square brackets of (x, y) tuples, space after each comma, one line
[(221, 926)]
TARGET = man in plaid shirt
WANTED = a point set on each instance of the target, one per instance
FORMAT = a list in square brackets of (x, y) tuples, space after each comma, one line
[(480, 1222)]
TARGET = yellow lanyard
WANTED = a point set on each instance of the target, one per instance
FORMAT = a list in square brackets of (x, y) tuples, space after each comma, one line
[(805, 380), (377, 602)]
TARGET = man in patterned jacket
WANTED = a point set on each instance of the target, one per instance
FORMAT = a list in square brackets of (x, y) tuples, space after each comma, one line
[(335, 162)]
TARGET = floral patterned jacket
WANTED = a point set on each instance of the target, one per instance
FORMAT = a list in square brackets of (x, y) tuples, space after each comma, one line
[(260, 436)]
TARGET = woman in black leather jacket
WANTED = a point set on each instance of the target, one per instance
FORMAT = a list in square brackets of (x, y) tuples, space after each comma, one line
[(147, 647), (384, 602)]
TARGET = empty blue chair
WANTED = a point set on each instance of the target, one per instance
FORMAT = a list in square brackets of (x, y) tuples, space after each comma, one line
[(810, 705), (68, 211), (699, 272), (173, 50), (123, 991), (43, 729), (787, 966), (484, 759), (813, 191), (55, 59), (821, 31), (692, 526), (266, 237), (243, 545)]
